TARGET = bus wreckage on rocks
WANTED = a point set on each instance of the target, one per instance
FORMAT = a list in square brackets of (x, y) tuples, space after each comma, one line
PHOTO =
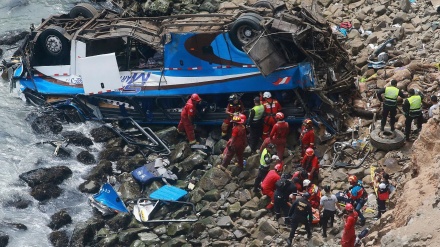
[(105, 66)]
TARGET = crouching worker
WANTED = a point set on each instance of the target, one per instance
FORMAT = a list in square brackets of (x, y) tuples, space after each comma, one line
[(268, 185), (237, 143), (300, 213), (265, 160), (285, 189)]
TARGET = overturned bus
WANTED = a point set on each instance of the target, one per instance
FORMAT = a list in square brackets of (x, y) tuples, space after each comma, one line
[(104, 66)]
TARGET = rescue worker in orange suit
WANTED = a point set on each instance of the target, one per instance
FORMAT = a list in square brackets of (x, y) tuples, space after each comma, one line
[(349, 235), (255, 124), (314, 191), (278, 135), (307, 137), (358, 196), (271, 107), (237, 143), (389, 105), (300, 213), (298, 179), (310, 163), (268, 185), (234, 107), (186, 118)]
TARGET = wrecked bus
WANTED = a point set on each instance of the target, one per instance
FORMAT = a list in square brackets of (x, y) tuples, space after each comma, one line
[(103, 66)]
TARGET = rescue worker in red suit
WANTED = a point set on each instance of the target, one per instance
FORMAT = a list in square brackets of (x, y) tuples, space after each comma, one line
[(234, 107), (268, 185), (186, 118), (271, 107), (307, 137), (310, 163), (278, 135), (314, 191), (298, 179), (237, 143), (349, 235)]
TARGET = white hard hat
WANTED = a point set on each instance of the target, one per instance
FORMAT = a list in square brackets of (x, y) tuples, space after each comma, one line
[(382, 186), (267, 95), (275, 157), (306, 182)]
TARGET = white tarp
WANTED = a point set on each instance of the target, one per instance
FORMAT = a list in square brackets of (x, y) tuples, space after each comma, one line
[(100, 74)]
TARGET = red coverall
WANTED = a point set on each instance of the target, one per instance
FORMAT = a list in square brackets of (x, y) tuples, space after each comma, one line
[(268, 185), (307, 139), (298, 181), (308, 163), (278, 137), (315, 195), (235, 146), (271, 107), (349, 235), (231, 109), (185, 124)]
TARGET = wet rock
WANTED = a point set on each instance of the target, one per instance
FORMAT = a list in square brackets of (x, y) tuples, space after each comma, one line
[(168, 135), (234, 209), (12, 37), (181, 228), (129, 188), (175, 242), (219, 146), (54, 175), (218, 233), (119, 221), (180, 152), (149, 238), (77, 138), (19, 203), (14, 226), (102, 134), (58, 238), (84, 232), (195, 160), (214, 178), (42, 192), (224, 221), (59, 220), (47, 124), (89, 186), (109, 240), (196, 195), (130, 164), (101, 171), (86, 158), (126, 237), (111, 154)]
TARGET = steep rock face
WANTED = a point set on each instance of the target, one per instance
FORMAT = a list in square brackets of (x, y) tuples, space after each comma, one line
[(414, 220)]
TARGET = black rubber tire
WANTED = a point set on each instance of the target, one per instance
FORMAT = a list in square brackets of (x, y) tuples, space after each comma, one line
[(83, 10), (248, 21), (387, 140), (54, 43), (264, 4)]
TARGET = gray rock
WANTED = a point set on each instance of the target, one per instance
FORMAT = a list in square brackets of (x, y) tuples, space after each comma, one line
[(239, 234), (89, 186), (400, 18), (246, 214), (243, 196), (42, 192), (234, 209), (102, 134), (109, 240), (325, 3), (339, 175), (359, 172), (53, 175), (256, 243), (380, 9), (354, 33), (224, 221), (111, 154), (391, 165), (129, 164), (219, 146), (17, 202), (175, 242), (252, 204), (84, 232), (181, 151), (139, 243), (129, 188), (253, 162), (168, 135), (218, 233), (265, 229), (209, 209), (195, 160), (126, 237), (77, 138), (212, 195), (160, 230), (118, 222), (181, 228), (57, 238), (59, 220), (231, 187), (47, 124), (259, 213), (196, 195), (221, 244), (13, 36), (149, 238), (405, 5), (214, 178), (86, 158), (209, 6), (101, 171), (356, 46)]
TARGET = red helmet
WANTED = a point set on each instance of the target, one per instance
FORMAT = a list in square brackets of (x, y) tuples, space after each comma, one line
[(196, 97), (279, 116), (241, 118), (352, 179), (310, 152), (349, 207), (278, 167)]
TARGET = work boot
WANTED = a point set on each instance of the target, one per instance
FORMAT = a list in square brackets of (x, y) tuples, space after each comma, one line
[(269, 206), (362, 222), (180, 133), (289, 242), (309, 236), (324, 234)]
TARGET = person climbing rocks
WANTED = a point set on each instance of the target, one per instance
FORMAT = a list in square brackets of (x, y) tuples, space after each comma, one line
[(300, 213), (328, 205), (314, 192), (389, 103), (237, 143), (307, 136), (285, 190), (298, 178), (412, 108), (358, 195), (234, 107), (265, 159), (186, 118), (310, 163), (349, 235), (271, 107), (268, 185), (255, 124), (278, 135), (383, 193)]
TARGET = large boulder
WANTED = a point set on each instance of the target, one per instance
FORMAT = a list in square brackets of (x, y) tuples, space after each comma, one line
[(42, 192), (129, 188), (13, 36), (111, 154), (195, 160), (58, 238), (77, 138), (101, 171), (119, 221), (89, 186), (59, 220), (102, 134), (214, 178), (53, 175), (129, 164), (86, 158), (168, 135), (84, 232), (180, 152), (47, 124)]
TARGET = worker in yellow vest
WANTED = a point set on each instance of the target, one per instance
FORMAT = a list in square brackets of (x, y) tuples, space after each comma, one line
[(255, 124), (389, 106), (412, 108)]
